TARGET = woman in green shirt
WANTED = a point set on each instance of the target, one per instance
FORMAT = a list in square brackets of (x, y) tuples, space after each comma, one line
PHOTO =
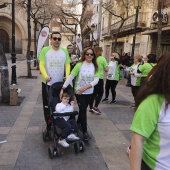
[(147, 67), (98, 88), (151, 124)]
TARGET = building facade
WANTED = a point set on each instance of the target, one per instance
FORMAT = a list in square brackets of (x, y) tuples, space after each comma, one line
[(118, 22)]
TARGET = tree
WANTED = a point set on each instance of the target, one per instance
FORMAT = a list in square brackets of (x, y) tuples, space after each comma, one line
[(122, 18), (38, 10), (5, 91), (68, 18)]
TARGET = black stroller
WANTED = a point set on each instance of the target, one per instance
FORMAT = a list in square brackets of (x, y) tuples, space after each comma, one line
[(53, 132)]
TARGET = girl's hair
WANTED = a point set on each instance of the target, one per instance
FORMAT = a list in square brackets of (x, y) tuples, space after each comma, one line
[(116, 55), (158, 82), (98, 51), (66, 95), (139, 58), (151, 58), (93, 60)]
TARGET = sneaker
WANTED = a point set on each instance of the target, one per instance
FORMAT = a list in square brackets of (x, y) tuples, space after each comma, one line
[(128, 151), (63, 143), (113, 101), (105, 99), (96, 110), (91, 110), (86, 136), (72, 137)]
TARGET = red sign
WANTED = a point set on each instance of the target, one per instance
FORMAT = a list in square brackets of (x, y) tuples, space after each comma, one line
[(43, 33)]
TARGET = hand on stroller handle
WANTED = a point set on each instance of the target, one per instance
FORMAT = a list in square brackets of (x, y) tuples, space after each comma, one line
[(48, 79)]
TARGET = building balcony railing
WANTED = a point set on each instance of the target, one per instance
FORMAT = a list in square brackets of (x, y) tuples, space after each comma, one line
[(130, 23)]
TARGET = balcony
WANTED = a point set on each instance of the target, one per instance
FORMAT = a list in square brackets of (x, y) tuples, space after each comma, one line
[(106, 31), (130, 23)]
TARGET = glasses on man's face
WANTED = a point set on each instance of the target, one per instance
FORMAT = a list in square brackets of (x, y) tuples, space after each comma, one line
[(89, 54), (55, 38)]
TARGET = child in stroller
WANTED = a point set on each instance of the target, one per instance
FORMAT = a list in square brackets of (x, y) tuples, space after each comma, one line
[(68, 126), (54, 128)]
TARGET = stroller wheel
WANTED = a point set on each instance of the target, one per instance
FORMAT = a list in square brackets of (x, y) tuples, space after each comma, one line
[(81, 146), (76, 148), (50, 152), (55, 152)]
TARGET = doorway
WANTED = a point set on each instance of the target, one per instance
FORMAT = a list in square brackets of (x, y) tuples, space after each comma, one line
[(4, 38)]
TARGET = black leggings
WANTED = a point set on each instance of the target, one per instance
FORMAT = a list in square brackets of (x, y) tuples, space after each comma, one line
[(134, 90), (45, 100), (111, 84), (97, 94), (144, 166), (83, 102)]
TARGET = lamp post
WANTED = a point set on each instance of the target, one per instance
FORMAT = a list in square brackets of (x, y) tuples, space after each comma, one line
[(137, 6), (13, 54), (92, 31)]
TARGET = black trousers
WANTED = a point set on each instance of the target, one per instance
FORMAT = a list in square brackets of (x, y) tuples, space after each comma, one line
[(111, 84), (66, 126), (45, 100), (97, 94), (134, 90), (144, 166), (83, 102)]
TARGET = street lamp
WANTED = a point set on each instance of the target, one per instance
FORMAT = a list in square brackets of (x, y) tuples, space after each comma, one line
[(13, 54), (92, 31), (137, 6)]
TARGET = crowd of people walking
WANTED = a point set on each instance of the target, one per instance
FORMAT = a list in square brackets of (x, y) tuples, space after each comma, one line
[(150, 127)]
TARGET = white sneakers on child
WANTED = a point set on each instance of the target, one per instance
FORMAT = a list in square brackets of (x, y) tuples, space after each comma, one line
[(72, 137), (63, 143)]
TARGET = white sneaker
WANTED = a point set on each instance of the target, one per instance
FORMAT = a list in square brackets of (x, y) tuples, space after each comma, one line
[(72, 137), (63, 143)]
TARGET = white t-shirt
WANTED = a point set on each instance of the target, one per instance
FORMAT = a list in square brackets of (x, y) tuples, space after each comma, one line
[(62, 108)]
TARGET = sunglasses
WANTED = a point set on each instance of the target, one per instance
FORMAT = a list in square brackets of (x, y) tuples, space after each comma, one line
[(89, 54), (55, 38)]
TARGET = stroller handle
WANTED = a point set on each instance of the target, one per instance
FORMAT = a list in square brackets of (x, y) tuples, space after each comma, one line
[(65, 114)]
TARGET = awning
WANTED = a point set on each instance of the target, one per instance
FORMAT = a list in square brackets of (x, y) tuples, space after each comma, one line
[(148, 32)]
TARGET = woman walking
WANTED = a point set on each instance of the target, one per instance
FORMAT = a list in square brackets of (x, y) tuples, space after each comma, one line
[(98, 88), (113, 77), (151, 123), (147, 67), (135, 77), (86, 78)]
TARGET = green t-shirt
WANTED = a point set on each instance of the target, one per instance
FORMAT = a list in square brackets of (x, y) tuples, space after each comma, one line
[(102, 63), (85, 73), (152, 121), (146, 68), (54, 63)]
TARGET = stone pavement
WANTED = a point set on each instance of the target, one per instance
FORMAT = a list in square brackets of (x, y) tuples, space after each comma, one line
[(21, 126)]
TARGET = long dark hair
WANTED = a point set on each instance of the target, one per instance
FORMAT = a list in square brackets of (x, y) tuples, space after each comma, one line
[(98, 51), (158, 82), (93, 60)]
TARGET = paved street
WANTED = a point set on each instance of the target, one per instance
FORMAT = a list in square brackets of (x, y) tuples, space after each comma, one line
[(21, 126)]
